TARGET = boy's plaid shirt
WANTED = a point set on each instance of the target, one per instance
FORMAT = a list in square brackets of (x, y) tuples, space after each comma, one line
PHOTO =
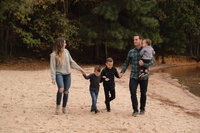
[(133, 58)]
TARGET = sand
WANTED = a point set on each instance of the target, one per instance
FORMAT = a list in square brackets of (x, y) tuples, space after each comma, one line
[(27, 105)]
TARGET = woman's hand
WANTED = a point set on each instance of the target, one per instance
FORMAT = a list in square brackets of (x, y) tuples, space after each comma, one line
[(83, 72)]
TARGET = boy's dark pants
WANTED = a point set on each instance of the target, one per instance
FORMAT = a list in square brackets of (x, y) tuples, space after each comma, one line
[(109, 91), (133, 84)]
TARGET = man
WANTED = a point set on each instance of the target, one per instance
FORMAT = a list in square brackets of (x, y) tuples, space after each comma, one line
[(134, 58)]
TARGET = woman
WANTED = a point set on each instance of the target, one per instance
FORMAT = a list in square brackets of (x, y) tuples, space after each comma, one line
[(60, 63)]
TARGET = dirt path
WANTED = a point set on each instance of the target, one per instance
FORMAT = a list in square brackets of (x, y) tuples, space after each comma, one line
[(27, 105)]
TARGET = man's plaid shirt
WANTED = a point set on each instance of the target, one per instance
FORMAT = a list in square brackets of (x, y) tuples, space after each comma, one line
[(133, 58)]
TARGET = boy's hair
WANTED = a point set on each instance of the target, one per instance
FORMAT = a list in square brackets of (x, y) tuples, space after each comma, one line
[(97, 68), (109, 60), (148, 41)]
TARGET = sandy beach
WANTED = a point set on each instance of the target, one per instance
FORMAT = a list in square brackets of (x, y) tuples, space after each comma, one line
[(27, 105)]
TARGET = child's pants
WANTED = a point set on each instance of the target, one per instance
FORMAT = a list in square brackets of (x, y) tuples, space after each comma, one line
[(142, 67), (94, 95), (108, 98)]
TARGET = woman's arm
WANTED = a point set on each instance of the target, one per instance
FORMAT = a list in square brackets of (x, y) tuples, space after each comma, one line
[(74, 64), (53, 67)]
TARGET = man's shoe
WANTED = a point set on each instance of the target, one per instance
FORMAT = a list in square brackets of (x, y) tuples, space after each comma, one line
[(135, 114), (108, 110), (92, 110)]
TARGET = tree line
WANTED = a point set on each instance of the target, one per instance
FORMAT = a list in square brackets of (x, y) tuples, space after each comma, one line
[(96, 29)]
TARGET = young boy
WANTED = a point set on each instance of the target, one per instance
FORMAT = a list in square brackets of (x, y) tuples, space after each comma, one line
[(108, 74), (147, 53), (95, 79)]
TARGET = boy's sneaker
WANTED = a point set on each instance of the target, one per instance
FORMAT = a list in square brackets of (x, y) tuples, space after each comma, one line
[(57, 109), (108, 110), (144, 75), (92, 110), (142, 112), (64, 110), (96, 111), (140, 75), (135, 114)]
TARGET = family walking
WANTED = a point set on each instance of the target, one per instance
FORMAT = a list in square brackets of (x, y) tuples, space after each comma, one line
[(140, 58)]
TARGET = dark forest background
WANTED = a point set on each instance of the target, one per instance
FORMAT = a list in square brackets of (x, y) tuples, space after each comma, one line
[(96, 29)]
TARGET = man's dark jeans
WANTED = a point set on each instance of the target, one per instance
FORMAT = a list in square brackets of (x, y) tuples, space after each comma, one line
[(133, 84)]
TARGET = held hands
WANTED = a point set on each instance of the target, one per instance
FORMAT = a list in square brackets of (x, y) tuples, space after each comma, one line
[(54, 83), (106, 79), (141, 63), (83, 72), (120, 75)]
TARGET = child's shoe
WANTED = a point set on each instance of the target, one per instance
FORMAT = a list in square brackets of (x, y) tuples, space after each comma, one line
[(108, 110), (92, 110), (140, 75), (96, 111), (144, 75)]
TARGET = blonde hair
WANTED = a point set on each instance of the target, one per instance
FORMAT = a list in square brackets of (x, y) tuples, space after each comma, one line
[(148, 41), (58, 48)]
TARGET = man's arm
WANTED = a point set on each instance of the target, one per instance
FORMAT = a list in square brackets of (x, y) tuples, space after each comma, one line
[(126, 63)]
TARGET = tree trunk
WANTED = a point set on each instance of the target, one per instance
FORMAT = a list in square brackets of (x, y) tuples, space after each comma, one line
[(2, 38), (198, 56), (6, 42), (64, 6), (163, 59), (97, 53), (106, 51)]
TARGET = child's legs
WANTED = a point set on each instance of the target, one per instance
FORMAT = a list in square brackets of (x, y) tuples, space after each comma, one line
[(94, 99), (60, 84), (112, 92), (145, 68), (67, 84), (107, 99)]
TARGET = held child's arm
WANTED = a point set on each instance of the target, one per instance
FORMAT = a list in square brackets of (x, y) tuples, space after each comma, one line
[(87, 77), (116, 73), (142, 52)]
